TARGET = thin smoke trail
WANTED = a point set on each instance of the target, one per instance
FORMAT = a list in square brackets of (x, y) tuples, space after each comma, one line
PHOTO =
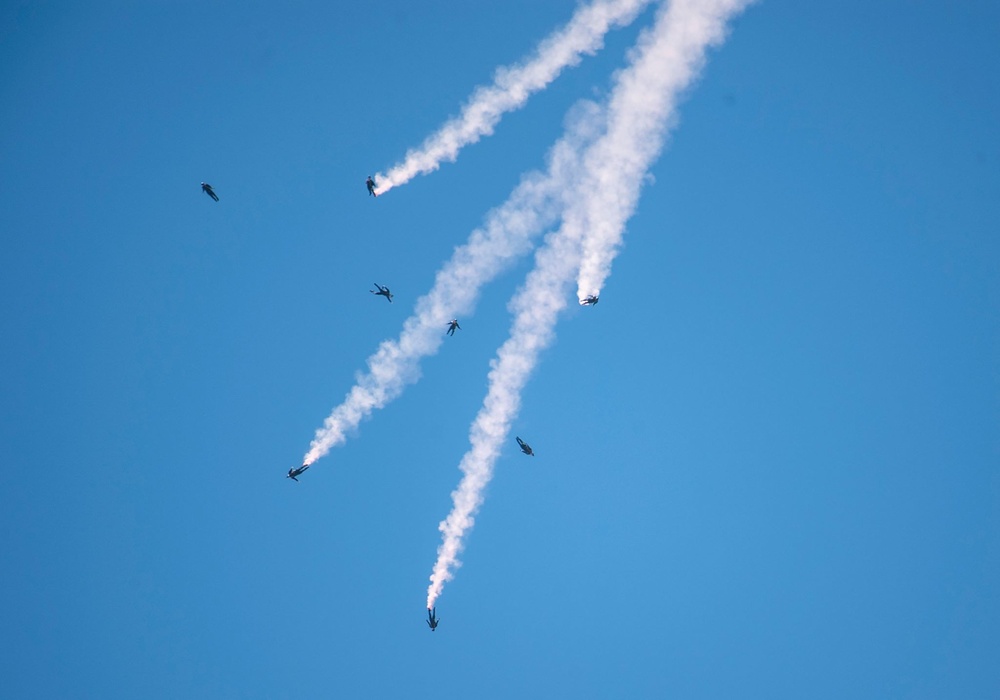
[(665, 61), (512, 86), (508, 234)]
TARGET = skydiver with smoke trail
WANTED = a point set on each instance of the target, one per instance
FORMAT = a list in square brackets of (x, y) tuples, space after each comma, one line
[(509, 230), (513, 85), (295, 472), (666, 60), (508, 234)]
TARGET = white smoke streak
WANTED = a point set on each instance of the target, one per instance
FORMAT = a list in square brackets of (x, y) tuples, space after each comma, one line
[(508, 234), (512, 86), (704, 26), (665, 61)]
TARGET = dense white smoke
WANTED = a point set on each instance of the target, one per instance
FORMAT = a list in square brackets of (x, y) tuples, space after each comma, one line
[(512, 86), (667, 58), (509, 233)]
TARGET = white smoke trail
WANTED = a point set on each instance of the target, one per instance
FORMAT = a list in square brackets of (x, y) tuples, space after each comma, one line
[(704, 23), (508, 234), (512, 86), (665, 61)]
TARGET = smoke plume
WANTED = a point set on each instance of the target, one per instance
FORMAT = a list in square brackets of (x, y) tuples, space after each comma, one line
[(666, 59), (512, 86), (508, 234)]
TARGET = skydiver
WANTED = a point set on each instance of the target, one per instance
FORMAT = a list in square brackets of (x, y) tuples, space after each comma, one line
[(371, 186), (207, 189), (525, 447), (591, 300), (382, 292), (296, 471), (452, 325), (432, 620)]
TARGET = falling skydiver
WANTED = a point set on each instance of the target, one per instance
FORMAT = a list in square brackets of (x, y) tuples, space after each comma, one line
[(432, 620), (296, 471), (382, 292), (371, 186), (525, 447), (207, 189), (452, 326)]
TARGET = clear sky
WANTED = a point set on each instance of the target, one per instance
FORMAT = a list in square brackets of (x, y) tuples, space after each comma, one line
[(767, 463)]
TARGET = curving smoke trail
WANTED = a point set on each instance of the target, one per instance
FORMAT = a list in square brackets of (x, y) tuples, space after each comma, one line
[(667, 58), (584, 34), (509, 233)]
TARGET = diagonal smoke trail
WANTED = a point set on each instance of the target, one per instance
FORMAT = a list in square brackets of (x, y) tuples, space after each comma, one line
[(703, 22), (584, 34), (667, 58), (508, 234)]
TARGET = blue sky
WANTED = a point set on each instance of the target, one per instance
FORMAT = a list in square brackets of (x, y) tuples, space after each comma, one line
[(767, 462)]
